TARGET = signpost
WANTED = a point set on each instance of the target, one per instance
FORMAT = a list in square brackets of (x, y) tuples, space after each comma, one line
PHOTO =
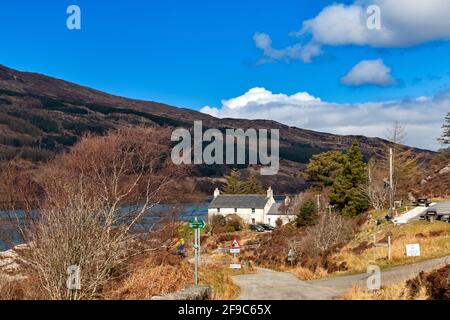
[(413, 250), (234, 249), (197, 226)]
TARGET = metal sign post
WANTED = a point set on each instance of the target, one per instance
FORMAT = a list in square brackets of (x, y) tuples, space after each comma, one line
[(196, 256), (235, 248), (196, 225)]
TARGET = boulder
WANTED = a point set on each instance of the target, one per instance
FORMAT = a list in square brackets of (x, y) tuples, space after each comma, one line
[(189, 293), (445, 170), (12, 264)]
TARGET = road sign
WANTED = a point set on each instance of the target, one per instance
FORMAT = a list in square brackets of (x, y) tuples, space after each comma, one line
[(235, 244), (413, 250), (235, 250), (197, 224), (235, 266)]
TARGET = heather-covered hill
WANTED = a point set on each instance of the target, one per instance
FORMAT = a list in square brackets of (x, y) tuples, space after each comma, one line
[(40, 116)]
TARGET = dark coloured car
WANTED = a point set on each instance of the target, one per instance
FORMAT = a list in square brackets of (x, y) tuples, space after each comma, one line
[(256, 227), (267, 227)]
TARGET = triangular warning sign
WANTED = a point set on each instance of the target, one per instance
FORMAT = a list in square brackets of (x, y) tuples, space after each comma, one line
[(235, 244)]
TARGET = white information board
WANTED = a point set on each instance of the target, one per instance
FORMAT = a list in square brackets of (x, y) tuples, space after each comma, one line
[(413, 250)]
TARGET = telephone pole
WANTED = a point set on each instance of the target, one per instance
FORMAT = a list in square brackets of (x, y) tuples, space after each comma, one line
[(391, 182), (318, 202)]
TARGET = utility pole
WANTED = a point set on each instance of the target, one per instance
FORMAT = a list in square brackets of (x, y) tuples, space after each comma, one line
[(391, 182), (318, 203)]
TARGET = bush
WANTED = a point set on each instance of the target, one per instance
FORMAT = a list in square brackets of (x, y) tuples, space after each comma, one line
[(307, 214), (226, 237), (80, 128), (153, 276), (234, 222), (217, 223), (19, 125), (330, 231), (279, 222), (35, 154), (220, 224)]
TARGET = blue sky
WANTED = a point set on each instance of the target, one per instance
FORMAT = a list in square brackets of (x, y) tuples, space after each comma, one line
[(198, 53)]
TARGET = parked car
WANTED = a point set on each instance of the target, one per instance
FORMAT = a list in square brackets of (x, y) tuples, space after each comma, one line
[(432, 214), (267, 226), (257, 227)]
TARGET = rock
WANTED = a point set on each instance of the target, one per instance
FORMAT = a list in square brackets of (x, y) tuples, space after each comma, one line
[(189, 293), (12, 264), (445, 170), (423, 182)]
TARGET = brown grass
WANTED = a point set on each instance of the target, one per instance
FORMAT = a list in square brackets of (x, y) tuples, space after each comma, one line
[(219, 277), (434, 240), (24, 289), (152, 277), (391, 292), (306, 273)]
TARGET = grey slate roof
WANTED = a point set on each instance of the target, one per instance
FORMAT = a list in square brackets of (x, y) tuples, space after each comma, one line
[(239, 201), (442, 207), (275, 209)]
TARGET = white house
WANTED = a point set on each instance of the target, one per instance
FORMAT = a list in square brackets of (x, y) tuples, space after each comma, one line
[(252, 208)]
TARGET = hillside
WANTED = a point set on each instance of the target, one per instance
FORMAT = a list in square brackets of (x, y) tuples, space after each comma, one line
[(40, 116)]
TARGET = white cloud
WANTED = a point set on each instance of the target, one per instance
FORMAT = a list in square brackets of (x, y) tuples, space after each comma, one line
[(404, 23), (369, 72), (264, 42), (422, 118)]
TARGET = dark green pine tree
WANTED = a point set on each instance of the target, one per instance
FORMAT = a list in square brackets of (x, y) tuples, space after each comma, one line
[(306, 215), (252, 185), (346, 195), (233, 185)]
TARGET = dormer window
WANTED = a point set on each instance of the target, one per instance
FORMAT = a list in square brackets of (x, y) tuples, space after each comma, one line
[(235, 210), (218, 210), (253, 210)]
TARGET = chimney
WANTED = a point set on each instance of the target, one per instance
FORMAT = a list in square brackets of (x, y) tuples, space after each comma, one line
[(216, 192), (287, 201), (270, 193)]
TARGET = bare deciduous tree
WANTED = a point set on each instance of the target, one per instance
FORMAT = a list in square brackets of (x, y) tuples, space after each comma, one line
[(404, 162), (95, 195), (375, 190), (330, 230)]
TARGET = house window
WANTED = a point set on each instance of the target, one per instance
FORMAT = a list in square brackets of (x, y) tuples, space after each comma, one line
[(253, 210), (235, 210), (253, 221), (218, 210)]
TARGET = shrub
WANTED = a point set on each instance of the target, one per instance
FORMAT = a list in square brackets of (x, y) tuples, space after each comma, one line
[(19, 125), (35, 154), (234, 223), (330, 230), (220, 224), (307, 214), (279, 222), (164, 273)]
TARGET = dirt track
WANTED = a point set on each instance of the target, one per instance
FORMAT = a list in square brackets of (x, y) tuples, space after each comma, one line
[(271, 285)]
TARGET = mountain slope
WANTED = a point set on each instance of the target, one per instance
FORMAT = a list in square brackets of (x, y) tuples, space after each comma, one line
[(40, 115)]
